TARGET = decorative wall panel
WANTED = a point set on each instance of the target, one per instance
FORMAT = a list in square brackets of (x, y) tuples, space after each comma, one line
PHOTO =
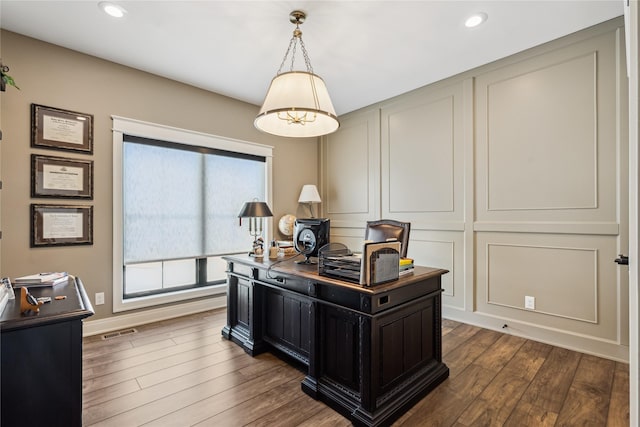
[(348, 152), (546, 140), (541, 139), (350, 171), (420, 150), (439, 254), (571, 277), (514, 272), (422, 156)]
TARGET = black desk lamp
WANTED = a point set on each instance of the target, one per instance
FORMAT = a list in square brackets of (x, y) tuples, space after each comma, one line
[(255, 211)]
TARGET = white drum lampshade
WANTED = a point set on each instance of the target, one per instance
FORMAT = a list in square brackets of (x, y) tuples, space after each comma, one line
[(297, 105)]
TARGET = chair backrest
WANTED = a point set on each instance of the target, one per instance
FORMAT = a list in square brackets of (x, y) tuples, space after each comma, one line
[(385, 229)]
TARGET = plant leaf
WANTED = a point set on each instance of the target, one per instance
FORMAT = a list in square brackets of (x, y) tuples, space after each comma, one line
[(9, 80)]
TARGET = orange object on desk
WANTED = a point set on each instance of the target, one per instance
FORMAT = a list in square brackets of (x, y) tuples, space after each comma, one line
[(28, 302)]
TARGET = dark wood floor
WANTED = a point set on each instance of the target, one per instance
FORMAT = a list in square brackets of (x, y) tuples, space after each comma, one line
[(182, 373)]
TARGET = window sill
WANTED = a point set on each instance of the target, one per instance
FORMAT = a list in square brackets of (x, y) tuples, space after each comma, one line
[(120, 304)]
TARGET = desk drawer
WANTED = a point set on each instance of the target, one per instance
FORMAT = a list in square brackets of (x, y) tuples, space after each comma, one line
[(284, 281), (242, 270)]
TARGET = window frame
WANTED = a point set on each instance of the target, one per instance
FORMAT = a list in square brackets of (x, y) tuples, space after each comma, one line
[(126, 126)]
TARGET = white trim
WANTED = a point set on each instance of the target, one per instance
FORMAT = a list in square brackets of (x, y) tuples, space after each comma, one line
[(144, 129), (549, 227), (133, 127), (577, 342), (469, 209), (632, 27), (114, 323)]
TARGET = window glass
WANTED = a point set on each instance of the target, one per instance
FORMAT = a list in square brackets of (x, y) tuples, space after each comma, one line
[(176, 197), (180, 272), (141, 278), (216, 269)]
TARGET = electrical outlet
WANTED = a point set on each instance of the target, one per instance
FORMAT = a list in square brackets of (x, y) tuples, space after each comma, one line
[(99, 298), (530, 303)]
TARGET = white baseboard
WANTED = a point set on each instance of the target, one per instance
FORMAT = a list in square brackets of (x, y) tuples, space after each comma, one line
[(562, 339), (100, 326), (559, 338)]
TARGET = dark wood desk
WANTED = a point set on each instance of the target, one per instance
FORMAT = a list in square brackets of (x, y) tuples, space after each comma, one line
[(42, 359), (370, 353)]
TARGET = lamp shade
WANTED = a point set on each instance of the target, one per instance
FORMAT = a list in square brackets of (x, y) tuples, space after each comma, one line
[(309, 194), (297, 104), (255, 210)]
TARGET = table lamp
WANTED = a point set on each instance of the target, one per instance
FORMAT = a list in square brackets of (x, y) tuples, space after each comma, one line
[(255, 211), (310, 195)]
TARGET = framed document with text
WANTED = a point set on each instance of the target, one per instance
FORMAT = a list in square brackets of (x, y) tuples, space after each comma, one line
[(61, 225), (61, 129), (61, 177)]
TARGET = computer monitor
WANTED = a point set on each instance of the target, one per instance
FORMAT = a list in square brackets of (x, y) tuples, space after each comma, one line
[(309, 235)]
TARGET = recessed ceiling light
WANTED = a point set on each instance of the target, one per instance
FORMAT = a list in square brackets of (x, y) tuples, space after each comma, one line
[(475, 20), (112, 9)]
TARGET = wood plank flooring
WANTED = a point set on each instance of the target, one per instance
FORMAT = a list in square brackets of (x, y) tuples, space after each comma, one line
[(181, 372)]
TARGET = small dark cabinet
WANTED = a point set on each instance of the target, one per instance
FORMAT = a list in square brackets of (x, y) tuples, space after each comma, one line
[(370, 353), (42, 359)]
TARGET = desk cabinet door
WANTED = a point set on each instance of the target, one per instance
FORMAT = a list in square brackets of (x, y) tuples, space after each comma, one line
[(287, 323), (405, 342), (239, 304), (340, 355)]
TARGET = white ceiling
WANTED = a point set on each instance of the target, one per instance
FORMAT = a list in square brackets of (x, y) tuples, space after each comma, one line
[(366, 51)]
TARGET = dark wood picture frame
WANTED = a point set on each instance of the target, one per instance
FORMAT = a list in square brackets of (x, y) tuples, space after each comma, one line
[(61, 225), (61, 177), (61, 129)]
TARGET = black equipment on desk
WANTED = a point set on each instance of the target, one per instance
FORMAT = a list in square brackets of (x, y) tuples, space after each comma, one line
[(309, 235)]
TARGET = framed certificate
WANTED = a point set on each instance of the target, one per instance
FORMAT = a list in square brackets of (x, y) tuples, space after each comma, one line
[(61, 177), (60, 225), (61, 129)]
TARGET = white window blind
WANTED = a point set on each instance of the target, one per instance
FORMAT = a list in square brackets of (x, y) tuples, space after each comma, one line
[(182, 203)]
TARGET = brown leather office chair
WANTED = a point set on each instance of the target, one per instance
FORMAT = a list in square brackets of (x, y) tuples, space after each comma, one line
[(384, 229)]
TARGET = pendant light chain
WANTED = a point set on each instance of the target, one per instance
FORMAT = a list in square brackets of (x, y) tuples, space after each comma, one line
[(293, 44), (305, 55)]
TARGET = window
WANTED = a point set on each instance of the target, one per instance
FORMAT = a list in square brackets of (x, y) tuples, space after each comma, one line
[(177, 194)]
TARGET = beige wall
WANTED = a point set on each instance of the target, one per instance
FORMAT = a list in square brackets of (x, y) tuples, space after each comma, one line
[(513, 176), (57, 77)]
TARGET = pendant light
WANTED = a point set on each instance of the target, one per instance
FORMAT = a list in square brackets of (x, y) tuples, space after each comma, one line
[(297, 103)]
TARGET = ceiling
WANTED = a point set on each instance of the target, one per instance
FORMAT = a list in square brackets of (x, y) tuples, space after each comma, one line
[(366, 51)]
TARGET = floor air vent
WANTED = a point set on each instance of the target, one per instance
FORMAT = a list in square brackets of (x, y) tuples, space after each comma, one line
[(121, 333)]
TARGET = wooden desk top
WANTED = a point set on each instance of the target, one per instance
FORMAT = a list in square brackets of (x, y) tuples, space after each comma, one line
[(310, 271)]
